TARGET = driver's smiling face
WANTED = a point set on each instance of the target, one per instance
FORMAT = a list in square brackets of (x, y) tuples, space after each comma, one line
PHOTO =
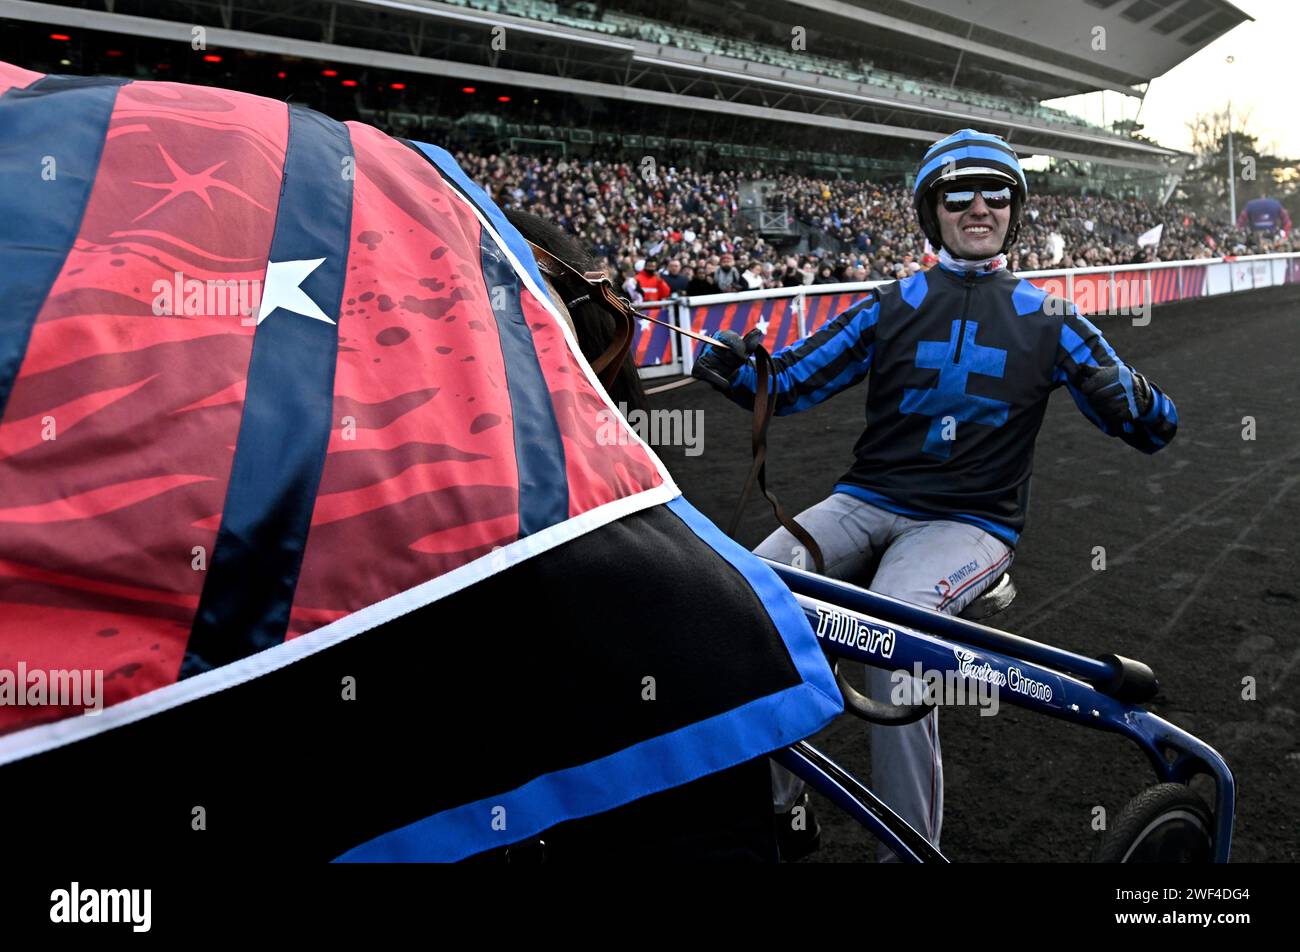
[(976, 232)]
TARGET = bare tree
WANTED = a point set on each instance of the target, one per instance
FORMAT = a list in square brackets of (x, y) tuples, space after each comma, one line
[(1257, 171)]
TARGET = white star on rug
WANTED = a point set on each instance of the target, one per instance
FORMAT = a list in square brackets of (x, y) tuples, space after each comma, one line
[(762, 326), (282, 289)]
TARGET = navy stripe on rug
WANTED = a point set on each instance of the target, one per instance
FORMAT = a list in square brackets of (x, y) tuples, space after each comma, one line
[(288, 411), (51, 140), (539, 450)]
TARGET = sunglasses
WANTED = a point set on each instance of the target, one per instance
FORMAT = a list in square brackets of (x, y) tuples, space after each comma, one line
[(961, 199)]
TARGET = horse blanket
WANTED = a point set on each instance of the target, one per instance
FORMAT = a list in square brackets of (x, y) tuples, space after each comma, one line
[(308, 534)]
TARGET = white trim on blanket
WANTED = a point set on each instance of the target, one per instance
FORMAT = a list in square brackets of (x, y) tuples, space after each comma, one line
[(44, 737)]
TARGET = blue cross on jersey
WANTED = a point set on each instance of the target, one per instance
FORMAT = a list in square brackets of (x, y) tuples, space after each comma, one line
[(949, 398)]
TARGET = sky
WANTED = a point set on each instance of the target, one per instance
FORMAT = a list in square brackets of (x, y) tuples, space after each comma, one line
[(1261, 82)]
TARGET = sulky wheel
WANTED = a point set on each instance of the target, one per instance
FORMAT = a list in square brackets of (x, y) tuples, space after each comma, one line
[(1167, 823)]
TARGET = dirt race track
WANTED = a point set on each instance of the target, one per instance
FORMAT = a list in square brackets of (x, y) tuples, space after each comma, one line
[(1201, 583)]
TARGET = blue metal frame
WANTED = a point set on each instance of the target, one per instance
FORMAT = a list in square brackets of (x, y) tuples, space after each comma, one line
[(876, 630), (848, 793)]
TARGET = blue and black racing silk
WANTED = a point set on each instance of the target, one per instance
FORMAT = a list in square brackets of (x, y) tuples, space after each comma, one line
[(962, 364)]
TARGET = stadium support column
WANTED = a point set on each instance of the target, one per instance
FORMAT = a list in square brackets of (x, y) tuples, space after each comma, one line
[(1172, 181), (682, 318), (1232, 174), (961, 53)]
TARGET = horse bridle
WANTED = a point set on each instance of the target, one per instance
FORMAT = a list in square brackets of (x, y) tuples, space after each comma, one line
[(577, 286)]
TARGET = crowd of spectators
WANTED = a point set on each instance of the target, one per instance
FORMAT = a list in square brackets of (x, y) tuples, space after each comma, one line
[(664, 231)]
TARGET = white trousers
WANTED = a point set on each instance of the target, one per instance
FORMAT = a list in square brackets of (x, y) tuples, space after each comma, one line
[(938, 564)]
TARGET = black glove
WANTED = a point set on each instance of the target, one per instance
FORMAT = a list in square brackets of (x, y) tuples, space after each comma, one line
[(719, 364), (1118, 393)]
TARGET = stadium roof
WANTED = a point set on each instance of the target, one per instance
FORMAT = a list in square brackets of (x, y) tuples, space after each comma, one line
[(1143, 38), (439, 39)]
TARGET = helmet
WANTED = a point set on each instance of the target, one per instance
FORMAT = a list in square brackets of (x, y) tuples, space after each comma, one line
[(968, 154)]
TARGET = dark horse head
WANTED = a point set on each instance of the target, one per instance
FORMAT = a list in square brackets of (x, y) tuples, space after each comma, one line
[(592, 324)]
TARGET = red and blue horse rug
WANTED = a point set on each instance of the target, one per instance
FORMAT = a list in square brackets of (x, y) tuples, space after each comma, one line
[(310, 545)]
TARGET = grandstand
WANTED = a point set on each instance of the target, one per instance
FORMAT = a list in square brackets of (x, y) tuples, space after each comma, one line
[(837, 88)]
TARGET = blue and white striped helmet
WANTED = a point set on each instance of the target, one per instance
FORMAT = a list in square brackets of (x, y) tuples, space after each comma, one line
[(968, 154)]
